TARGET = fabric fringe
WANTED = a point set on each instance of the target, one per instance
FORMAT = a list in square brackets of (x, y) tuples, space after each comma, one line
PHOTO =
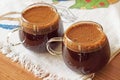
[(35, 69), (27, 63)]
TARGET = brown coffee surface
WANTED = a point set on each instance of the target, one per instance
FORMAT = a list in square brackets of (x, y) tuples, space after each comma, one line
[(85, 37), (40, 19), (42, 15)]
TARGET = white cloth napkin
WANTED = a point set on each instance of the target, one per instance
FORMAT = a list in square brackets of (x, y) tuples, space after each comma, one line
[(51, 67)]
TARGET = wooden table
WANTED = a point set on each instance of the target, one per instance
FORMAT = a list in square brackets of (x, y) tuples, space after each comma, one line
[(13, 71)]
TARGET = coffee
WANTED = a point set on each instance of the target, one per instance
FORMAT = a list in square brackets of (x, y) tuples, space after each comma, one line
[(40, 23), (85, 47)]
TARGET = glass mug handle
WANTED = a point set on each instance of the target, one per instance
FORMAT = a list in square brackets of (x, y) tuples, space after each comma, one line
[(66, 15), (49, 49), (53, 52), (3, 17), (9, 35)]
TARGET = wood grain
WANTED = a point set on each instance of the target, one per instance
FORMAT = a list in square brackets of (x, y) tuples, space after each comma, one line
[(111, 71), (13, 71)]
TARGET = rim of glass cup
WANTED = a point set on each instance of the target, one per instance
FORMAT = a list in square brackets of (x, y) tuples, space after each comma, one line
[(36, 5), (100, 28)]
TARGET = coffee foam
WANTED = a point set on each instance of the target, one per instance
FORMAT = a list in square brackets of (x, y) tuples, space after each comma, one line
[(84, 37), (40, 20)]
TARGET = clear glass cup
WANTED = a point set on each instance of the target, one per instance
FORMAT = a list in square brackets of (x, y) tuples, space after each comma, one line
[(85, 47), (36, 33), (38, 23)]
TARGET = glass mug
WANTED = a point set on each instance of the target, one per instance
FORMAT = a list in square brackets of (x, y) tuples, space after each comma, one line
[(38, 23), (85, 47)]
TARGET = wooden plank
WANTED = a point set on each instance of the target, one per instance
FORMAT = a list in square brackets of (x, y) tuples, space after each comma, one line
[(111, 71), (13, 71)]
